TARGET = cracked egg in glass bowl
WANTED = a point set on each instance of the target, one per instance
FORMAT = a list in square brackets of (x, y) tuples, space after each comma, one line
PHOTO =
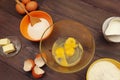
[(69, 48)]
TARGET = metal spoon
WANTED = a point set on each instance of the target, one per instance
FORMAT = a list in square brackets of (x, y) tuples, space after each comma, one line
[(33, 20)]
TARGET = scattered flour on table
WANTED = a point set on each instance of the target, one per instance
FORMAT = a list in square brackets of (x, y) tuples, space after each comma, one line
[(104, 70), (36, 31)]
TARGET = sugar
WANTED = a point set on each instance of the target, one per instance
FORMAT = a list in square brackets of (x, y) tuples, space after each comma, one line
[(36, 31), (104, 70)]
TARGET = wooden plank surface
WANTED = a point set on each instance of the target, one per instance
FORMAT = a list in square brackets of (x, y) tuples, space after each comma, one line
[(91, 13), (10, 73)]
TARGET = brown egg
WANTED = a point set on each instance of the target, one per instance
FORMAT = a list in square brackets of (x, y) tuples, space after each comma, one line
[(25, 1), (19, 9), (31, 6)]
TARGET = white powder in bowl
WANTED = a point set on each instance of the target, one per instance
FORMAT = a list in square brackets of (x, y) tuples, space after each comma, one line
[(36, 31), (104, 70)]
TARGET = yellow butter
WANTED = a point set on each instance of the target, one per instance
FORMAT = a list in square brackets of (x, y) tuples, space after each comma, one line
[(8, 48), (4, 41)]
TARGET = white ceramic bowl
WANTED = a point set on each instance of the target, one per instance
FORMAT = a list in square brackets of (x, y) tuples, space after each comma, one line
[(112, 38)]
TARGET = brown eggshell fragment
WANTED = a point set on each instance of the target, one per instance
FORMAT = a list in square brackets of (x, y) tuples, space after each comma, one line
[(37, 72), (28, 65), (39, 61)]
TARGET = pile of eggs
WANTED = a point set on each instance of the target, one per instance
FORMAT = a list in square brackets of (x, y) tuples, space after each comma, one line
[(28, 4)]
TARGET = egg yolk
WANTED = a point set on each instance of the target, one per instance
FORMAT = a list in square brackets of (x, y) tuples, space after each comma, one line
[(67, 50)]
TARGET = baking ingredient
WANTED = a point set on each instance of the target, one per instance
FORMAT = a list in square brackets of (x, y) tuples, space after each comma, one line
[(28, 65), (60, 56), (113, 28), (70, 45), (67, 51), (4, 41), (31, 5), (39, 61), (104, 70), (25, 1), (7, 45), (34, 65), (36, 31), (71, 42), (37, 72), (8, 48), (28, 5), (19, 9)]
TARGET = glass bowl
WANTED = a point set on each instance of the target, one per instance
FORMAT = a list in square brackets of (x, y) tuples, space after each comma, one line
[(17, 44), (65, 29)]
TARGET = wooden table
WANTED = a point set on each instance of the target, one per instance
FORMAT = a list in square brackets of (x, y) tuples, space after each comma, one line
[(91, 13)]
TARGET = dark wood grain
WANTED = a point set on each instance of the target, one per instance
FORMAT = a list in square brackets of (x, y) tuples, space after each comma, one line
[(91, 13), (111, 6), (9, 73)]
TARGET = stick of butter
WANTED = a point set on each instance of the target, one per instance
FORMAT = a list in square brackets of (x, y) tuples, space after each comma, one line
[(8, 48), (4, 41)]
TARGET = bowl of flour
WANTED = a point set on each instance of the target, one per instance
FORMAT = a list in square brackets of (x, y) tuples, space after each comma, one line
[(34, 33), (104, 69)]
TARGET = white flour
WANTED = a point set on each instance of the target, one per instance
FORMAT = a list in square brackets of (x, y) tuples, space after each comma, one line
[(36, 31), (104, 70)]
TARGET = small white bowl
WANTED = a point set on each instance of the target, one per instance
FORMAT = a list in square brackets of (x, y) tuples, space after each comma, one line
[(111, 38)]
